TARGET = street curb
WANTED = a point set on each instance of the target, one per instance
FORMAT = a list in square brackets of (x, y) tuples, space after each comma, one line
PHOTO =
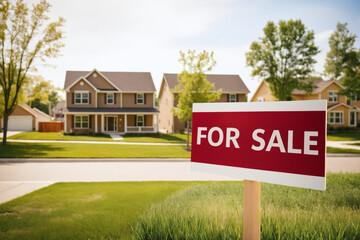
[(68, 160)]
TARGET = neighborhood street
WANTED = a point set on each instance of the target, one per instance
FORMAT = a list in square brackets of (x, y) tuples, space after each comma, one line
[(21, 176)]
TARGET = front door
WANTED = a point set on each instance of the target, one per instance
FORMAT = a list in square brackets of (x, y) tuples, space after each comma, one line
[(110, 124), (352, 118)]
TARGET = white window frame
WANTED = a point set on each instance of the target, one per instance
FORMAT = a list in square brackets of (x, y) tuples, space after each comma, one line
[(332, 116), (354, 99), (230, 97), (260, 99), (82, 121), (81, 97), (107, 98), (137, 121), (141, 98), (334, 97), (350, 119)]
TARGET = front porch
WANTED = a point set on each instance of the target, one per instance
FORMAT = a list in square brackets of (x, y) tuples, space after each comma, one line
[(111, 123)]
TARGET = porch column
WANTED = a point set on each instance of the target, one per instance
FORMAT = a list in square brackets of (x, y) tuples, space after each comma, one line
[(102, 123), (157, 122), (125, 124), (65, 123), (96, 123)]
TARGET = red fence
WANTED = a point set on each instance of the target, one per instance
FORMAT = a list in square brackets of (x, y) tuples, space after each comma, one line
[(51, 126)]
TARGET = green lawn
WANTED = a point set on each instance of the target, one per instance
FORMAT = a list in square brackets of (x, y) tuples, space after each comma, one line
[(161, 138), (82, 210), (341, 150), (343, 136), (81, 150), (182, 210)]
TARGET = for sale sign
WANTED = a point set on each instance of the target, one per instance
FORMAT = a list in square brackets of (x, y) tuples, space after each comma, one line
[(275, 142)]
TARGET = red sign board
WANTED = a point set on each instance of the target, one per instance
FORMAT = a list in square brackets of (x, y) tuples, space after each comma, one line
[(275, 142)]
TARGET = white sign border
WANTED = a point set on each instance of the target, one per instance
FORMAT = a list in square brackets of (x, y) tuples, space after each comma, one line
[(292, 106), (281, 178), (287, 179)]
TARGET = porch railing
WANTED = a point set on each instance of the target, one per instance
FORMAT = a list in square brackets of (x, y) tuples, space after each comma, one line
[(135, 129)]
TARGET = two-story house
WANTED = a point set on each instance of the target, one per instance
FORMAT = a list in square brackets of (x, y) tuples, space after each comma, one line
[(110, 102), (342, 112), (233, 90)]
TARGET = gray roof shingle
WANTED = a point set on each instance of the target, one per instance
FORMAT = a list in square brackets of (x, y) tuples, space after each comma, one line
[(227, 82)]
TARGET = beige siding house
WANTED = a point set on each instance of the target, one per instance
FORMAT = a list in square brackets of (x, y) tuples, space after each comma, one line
[(342, 112), (110, 102), (233, 90)]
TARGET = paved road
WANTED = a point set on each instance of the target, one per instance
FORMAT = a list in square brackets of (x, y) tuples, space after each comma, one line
[(18, 177)]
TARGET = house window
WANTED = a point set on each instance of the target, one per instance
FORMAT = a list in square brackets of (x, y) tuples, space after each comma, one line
[(81, 97), (81, 122), (110, 98), (336, 117), (140, 98), (232, 97), (333, 97), (140, 120), (260, 99), (354, 98)]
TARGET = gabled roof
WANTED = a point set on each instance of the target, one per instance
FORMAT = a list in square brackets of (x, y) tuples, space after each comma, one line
[(83, 79), (320, 85), (125, 81), (227, 82), (342, 104)]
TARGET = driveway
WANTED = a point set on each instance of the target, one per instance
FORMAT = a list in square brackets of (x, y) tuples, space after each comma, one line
[(22, 176), (10, 133)]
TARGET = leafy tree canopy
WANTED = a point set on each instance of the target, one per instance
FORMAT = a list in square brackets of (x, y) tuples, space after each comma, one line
[(193, 86), (343, 61), (24, 38), (284, 57)]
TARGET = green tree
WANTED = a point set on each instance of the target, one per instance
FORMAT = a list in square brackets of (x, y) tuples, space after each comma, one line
[(343, 61), (193, 86), (284, 58), (25, 37), (341, 43)]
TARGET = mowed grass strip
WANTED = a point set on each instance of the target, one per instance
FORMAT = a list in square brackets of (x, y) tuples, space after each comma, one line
[(56, 136), (82, 150), (344, 136), (342, 150), (82, 210), (215, 211)]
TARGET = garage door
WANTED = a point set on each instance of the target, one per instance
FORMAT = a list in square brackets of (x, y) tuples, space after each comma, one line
[(20, 123)]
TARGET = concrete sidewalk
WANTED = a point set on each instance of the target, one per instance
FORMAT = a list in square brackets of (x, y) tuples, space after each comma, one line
[(22, 176), (343, 144)]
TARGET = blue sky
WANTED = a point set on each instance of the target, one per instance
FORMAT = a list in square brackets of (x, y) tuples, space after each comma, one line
[(141, 35)]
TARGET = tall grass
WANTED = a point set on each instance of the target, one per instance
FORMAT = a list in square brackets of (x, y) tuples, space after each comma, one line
[(214, 211)]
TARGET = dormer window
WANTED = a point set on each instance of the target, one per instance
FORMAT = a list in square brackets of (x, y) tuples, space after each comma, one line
[(110, 98), (332, 96), (81, 97), (139, 98), (232, 97)]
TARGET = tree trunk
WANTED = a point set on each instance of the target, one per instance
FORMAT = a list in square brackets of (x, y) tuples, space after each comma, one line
[(6, 118), (187, 142)]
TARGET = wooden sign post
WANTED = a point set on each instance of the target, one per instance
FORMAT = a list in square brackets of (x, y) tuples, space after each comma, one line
[(252, 209), (274, 142)]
